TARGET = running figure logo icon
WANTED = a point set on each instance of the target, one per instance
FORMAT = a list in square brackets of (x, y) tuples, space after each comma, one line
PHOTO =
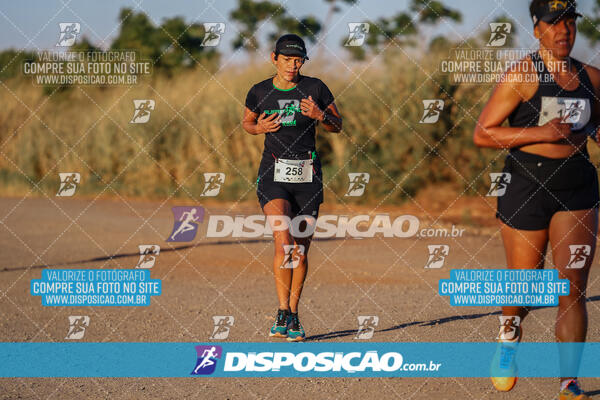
[(148, 254), (432, 111), (570, 110), (508, 328), (186, 222), (207, 359), (212, 35), (579, 255), (68, 33), (574, 108), (68, 183), (223, 324), (499, 33), (499, 183), (437, 255), (358, 33), (366, 326), (141, 111), (287, 110), (358, 183), (77, 325), (292, 255), (212, 183)]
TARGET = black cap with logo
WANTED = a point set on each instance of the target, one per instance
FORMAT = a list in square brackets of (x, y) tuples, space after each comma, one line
[(291, 45), (551, 11)]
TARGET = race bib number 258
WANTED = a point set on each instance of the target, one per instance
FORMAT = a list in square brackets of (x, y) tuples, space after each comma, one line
[(293, 171)]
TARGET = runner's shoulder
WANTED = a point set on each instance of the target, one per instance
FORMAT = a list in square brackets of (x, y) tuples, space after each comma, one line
[(311, 81), (593, 73), (318, 89), (262, 85), (522, 76)]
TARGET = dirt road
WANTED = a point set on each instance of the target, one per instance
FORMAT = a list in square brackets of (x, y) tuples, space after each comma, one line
[(347, 278)]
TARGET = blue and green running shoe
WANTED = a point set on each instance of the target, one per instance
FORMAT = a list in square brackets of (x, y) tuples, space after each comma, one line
[(295, 332), (280, 327)]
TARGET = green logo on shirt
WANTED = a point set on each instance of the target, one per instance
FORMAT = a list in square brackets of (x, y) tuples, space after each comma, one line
[(288, 110)]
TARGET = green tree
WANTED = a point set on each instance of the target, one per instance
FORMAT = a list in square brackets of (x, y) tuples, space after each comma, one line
[(84, 45), (331, 10), (248, 15), (401, 28), (11, 62), (307, 27), (590, 23), (170, 46), (431, 12)]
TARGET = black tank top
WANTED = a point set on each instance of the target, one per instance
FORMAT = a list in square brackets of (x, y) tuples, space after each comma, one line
[(551, 101)]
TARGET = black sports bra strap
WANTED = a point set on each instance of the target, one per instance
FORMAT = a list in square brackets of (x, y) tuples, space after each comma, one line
[(584, 78), (578, 66)]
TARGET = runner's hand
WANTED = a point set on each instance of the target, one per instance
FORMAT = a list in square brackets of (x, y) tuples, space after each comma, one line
[(310, 109), (268, 124), (557, 130)]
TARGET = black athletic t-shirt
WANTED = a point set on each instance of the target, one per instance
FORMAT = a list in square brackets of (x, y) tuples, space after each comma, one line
[(297, 132)]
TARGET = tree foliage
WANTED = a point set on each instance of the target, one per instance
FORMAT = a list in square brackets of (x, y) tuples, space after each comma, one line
[(402, 27), (171, 45), (590, 23), (249, 15)]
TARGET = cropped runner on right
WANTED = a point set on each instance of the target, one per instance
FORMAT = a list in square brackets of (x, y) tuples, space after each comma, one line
[(551, 197)]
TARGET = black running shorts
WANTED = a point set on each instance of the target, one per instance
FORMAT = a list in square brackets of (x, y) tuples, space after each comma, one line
[(541, 186), (305, 198)]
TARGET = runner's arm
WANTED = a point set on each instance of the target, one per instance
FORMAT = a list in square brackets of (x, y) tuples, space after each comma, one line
[(332, 120), (326, 110), (330, 117), (506, 97), (594, 74)]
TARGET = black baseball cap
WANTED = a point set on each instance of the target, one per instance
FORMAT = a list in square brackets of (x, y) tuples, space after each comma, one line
[(291, 45), (551, 11)]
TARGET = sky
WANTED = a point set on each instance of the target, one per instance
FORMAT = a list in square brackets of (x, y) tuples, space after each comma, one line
[(34, 24)]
